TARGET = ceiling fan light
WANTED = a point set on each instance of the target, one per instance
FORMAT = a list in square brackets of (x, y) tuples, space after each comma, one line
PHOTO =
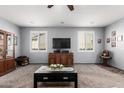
[(71, 8), (49, 6)]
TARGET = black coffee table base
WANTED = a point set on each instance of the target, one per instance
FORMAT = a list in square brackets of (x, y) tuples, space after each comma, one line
[(56, 77)]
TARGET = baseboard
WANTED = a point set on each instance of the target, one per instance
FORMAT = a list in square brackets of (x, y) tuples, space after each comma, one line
[(39, 63)]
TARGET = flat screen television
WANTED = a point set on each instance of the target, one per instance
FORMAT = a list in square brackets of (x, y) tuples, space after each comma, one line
[(61, 43)]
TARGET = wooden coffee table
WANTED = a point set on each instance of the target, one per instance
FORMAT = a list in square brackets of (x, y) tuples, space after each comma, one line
[(46, 75)]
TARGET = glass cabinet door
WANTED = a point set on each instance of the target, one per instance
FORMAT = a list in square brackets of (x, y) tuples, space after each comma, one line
[(10, 46), (2, 45)]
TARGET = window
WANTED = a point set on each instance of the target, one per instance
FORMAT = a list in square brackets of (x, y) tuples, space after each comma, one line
[(38, 41), (85, 41)]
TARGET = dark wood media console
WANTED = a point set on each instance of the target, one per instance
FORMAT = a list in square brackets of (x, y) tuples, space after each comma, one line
[(61, 58)]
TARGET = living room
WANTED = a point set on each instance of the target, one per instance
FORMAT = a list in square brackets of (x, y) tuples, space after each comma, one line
[(84, 31)]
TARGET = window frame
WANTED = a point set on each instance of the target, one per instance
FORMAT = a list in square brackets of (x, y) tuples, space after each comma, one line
[(31, 50), (85, 41)]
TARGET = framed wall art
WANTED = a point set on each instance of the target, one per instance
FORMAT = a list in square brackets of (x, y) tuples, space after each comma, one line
[(113, 44), (99, 41), (113, 33), (108, 40), (120, 38), (113, 39)]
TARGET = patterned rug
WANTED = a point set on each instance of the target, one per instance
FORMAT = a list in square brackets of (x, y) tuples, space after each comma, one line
[(89, 76)]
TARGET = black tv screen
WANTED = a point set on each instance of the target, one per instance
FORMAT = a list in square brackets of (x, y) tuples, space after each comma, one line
[(61, 43)]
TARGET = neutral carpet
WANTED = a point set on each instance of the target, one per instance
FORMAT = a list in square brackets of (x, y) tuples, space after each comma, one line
[(89, 76)]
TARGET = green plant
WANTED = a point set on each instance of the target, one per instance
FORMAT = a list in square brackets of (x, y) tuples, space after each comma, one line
[(56, 66)]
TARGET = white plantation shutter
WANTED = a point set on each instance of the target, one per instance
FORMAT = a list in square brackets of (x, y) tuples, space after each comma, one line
[(81, 40), (85, 41), (35, 40), (89, 41), (38, 41), (42, 41)]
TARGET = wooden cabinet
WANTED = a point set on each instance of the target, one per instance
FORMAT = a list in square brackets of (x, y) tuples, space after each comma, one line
[(1, 67), (61, 58), (10, 64), (64, 59), (7, 52), (58, 58), (70, 59), (52, 59)]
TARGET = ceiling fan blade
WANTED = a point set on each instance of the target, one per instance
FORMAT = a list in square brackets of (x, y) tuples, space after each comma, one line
[(71, 7), (49, 6)]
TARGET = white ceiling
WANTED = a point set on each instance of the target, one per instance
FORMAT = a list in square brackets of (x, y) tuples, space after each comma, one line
[(82, 16)]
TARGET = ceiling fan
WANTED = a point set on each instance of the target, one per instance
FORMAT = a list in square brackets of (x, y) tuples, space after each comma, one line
[(71, 7)]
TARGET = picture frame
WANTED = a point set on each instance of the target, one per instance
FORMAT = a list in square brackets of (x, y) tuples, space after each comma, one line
[(120, 38), (108, 40), (113, 33), (99, 41), (113, 44), (113, 39)]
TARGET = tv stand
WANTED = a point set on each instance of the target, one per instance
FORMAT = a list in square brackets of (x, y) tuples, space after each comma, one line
[(61, 58), (61, 51), (57, 51), (65, 51)]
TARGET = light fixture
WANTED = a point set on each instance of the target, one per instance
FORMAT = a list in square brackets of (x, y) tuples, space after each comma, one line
[(31, 22), (62, 22), (92, 22)]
